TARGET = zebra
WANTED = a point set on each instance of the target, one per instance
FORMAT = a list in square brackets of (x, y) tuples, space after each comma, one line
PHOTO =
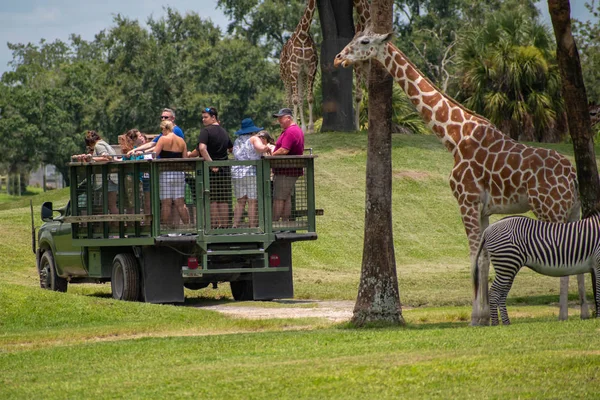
[(548, 248)]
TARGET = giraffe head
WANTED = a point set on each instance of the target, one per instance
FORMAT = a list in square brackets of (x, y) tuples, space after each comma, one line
[(365, 45)]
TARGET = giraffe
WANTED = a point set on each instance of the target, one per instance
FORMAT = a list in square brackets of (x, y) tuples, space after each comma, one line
[(361, 68), (492, 173), (298, 66)]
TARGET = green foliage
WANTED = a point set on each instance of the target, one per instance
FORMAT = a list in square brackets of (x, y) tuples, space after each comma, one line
[(508, 73), (405, 119), (266, 23), (586, 35), (122, 79)]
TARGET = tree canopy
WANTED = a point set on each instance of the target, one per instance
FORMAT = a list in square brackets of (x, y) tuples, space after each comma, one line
[(495, 56)]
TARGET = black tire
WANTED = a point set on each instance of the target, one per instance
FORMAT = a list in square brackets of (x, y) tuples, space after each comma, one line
[(125, 278), (242, 290), (48, 276)]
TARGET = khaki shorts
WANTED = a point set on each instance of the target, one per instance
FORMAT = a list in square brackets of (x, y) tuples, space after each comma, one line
[(245, 187), (283, 186)]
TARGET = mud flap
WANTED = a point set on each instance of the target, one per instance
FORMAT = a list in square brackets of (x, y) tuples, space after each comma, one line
[(275, 285), (161, 276)]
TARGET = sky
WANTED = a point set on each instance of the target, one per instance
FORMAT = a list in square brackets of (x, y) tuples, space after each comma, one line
[(28, 21)]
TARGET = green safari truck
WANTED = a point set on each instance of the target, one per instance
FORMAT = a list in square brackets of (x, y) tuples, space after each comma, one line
[(153, 227)]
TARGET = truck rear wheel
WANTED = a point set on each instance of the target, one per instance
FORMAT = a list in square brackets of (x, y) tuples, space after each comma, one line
[(48, 277), (242, 290), (125, 279)]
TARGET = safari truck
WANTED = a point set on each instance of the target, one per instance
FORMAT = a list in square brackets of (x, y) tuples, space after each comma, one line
[(149, 227)]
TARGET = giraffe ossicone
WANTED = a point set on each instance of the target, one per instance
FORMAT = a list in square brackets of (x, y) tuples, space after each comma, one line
[(492, 173)]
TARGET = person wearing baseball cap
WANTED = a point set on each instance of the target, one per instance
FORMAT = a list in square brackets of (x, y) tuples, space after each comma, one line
[(290, 143)]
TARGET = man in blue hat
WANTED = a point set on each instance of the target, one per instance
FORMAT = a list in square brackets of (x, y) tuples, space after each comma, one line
[(291, 143), (248, 146)]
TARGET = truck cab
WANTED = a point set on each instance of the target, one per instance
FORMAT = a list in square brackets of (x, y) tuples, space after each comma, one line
[(149, 227)]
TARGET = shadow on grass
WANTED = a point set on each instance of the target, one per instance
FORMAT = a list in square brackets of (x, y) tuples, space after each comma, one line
[(542, 300)]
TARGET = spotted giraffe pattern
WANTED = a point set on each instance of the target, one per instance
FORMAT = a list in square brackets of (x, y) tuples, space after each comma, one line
[(298, 67), (361, 69), (492, 173)]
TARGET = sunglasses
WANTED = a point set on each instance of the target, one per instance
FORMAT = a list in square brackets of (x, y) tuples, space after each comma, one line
[(210, 111), (164, 117)]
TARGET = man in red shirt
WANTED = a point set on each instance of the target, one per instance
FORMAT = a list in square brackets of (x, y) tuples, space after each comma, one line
[(290, 143)]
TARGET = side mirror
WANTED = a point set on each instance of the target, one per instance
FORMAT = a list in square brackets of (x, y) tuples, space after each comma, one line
[(47, 213)]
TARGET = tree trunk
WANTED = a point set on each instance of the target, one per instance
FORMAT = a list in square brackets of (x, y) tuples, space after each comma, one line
[(378, 296), (336, 83), (573, 89)]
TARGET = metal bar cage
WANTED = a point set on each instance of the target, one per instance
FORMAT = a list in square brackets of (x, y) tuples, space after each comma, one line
[(189, 196)]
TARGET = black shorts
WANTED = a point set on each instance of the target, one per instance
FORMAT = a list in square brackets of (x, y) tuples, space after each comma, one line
[(220, 185)]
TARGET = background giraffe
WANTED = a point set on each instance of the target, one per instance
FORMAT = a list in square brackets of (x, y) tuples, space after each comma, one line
[(492, 173), (298, 67), (361, 68)]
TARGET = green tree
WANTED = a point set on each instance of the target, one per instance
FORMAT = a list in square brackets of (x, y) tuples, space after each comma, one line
[(508, 73), (378, 297), (586, 34), (264, 23), (39, 107), (574, 92)]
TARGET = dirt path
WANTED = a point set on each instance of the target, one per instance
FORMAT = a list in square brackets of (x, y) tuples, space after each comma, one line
[(336, 310)]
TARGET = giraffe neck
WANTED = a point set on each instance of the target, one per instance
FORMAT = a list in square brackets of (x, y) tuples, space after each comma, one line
[(363, 12), (448, 119), (303, 28)]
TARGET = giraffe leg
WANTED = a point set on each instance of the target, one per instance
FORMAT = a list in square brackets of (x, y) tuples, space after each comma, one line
[(359, 73), (311, 123), (301, 95), (357, 100), (563, 312), (310, 81), (475, 224), (481, 302), (585, 310), (295, 95)]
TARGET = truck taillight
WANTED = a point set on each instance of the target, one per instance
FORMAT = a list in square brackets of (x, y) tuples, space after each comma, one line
[(274, 260), (192, 263)]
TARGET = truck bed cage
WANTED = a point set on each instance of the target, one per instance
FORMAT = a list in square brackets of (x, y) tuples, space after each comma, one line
[(117, 203)]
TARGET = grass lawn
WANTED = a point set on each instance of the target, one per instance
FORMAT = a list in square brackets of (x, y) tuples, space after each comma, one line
[(83, 344)]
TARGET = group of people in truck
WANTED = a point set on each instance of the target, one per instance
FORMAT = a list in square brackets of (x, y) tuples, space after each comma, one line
[(214, 144)]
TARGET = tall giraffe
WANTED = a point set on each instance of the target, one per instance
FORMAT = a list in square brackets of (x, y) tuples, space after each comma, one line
[(298, 66), (492, 173), (361, 68)]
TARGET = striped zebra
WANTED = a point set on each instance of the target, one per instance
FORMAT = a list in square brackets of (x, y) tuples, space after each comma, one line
[(548, 248)]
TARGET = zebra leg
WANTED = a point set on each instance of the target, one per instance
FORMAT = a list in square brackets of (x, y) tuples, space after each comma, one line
[(505, 276), (596, 287), (494, 300), (585, 310), (563, 312), (502, 304)]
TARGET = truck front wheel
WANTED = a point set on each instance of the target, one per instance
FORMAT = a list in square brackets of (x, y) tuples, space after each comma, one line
[(125, 279), (48, 277), (242, 290)]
